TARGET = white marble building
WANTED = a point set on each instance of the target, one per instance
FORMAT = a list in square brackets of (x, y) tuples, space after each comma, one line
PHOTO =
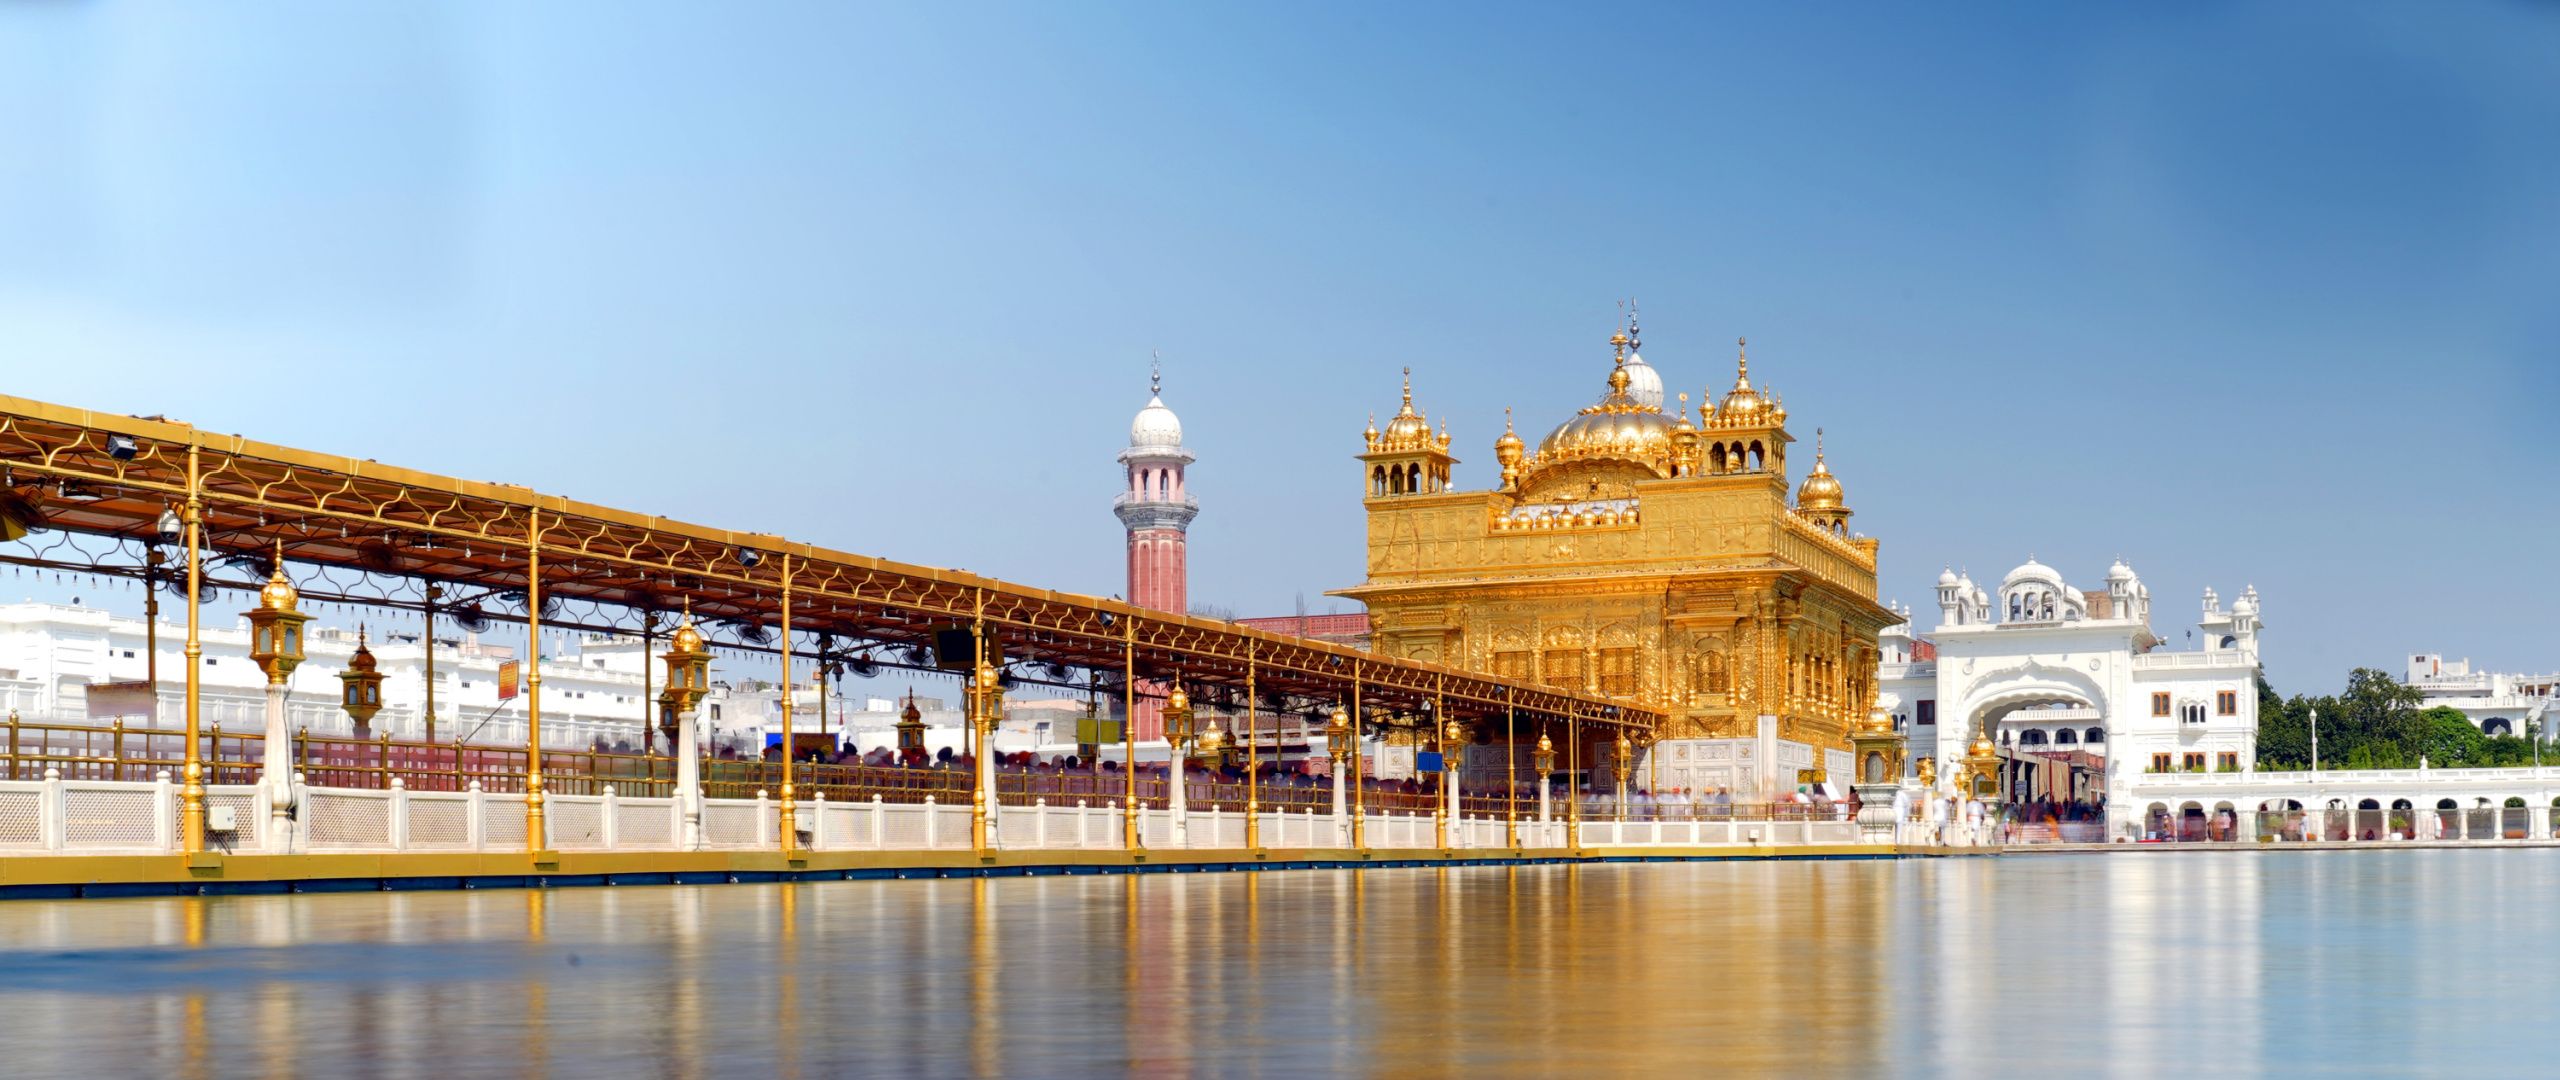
[(2061, 676), (2497, 704)]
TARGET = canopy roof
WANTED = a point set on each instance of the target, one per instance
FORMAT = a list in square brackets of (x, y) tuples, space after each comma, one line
[(109, 475)]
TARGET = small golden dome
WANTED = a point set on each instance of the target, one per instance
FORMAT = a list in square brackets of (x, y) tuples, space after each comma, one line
[(1179, 699), (363, 659), (1545, 745), (911, 714), (1372, 433), (687, 639), (279, 594), (1507, 448), (1821, 490), (1407, 424), (1742, 405)]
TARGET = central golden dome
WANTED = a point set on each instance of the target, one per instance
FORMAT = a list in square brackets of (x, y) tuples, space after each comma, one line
[(1619, 425)]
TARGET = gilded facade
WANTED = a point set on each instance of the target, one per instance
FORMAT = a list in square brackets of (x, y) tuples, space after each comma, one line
[(1637, 552)]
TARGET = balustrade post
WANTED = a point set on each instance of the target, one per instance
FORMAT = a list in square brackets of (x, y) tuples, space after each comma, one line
[(818, 820), (301, 819), (164, 812), (689, 779), (764, 828), (49, 809), (932, 825), (879, 811), (474, 817), (610, 832), (399, 814)]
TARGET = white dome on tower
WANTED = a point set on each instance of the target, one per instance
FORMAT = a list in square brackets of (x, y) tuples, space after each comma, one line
[(1155, 426)]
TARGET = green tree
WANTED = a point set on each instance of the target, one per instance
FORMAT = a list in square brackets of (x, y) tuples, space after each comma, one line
[(2284, 735), (2450, 741)]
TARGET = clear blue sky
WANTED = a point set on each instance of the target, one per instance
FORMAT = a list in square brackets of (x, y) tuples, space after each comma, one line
[(2260, 293)]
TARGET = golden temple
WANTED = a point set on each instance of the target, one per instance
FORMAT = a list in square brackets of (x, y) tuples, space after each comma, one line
[(1634, 553)]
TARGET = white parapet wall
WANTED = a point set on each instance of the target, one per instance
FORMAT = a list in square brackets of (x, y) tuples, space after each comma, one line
[(2253, 798), (57, 816)]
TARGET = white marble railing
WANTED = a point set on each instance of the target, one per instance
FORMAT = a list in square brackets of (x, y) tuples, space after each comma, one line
[(57, 816), (2034, 717), (2212, 658), (2549, 774)]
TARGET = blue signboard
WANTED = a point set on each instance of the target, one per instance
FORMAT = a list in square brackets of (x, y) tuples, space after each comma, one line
[(1427, 761)]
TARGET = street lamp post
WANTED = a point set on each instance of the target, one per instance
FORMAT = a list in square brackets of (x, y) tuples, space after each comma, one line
[(688, 678), (1624, 765), (1213, 746), (1453, 745), (1543, 761), (1337, 743), (275, 643), (1177, 733)]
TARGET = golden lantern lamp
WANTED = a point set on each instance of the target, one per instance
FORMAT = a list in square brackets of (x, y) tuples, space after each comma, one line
[(1544, 757), (360, 688), (1213, 742), (1337, 734), (1178, 717), (911, 732), (275, 626), (688, 668), (1626, 757)]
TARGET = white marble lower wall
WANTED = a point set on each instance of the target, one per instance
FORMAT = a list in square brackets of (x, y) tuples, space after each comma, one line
[(63, 816)]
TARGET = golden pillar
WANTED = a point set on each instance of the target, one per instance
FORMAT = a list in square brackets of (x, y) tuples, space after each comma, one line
[(788, 817), (1129, 832), (973, 697), (1624, 764), (1359, 831), (191, 795), (536, 832), (1510, 772), (1252, 755), (1573, 771)]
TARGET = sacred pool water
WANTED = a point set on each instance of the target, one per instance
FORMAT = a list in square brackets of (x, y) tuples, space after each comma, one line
[(2148, 964)]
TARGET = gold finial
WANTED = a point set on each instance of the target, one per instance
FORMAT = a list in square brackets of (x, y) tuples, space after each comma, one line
[(279, 594), (1817, 448), (1408, 389), (1618, 341), (1506, 420), (1742, 360)]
